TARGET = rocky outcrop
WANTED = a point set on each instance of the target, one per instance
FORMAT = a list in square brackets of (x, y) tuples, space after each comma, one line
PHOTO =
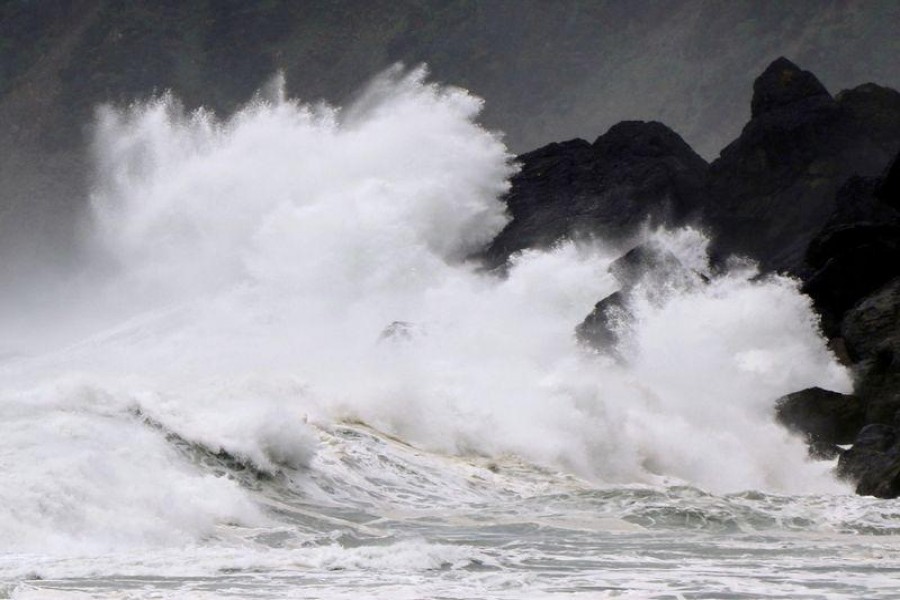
[(872, 328), (856, 252), (871, 332), (635, 173), (856, 289), (811, 187), (826, 418), (772, 189), (656, 270)]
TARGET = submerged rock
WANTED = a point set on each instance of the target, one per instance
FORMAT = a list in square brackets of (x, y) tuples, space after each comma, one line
[(600, 329)]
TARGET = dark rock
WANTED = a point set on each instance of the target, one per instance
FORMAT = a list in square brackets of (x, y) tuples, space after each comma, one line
[(600, 329), (877, 437), (856, 252), (860, 268), (773, 189), (399, 331), (873, 462), (883, 403), (838, 347), (634, 173), (783, 85), (657, 270), (856, 205), (871, 330), (889, 191), (632, 266), (819, 450), (874, 324), (824, 417)]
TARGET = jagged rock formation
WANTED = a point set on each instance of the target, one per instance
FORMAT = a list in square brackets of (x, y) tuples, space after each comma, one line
[(773, 188), (635, 173), (871, 331), (799, 191)]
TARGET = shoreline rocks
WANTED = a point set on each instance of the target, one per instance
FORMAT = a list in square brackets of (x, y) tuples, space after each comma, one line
[(811, 188)]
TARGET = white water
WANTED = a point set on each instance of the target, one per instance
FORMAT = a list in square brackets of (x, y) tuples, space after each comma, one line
[(251, 269)]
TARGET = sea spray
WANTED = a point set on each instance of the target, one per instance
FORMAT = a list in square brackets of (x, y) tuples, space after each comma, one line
[(259, 261)]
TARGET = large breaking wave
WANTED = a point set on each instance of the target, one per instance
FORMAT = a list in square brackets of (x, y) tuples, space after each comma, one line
[(293, 266)]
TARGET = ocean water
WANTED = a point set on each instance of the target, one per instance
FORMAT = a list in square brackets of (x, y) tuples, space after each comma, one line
[(279, 375)]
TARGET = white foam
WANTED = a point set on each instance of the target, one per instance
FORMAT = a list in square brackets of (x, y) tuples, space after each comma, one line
[(259, 260)]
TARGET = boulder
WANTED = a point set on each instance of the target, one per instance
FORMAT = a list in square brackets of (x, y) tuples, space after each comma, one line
[(637, 172), (871, 331), (822, 416)]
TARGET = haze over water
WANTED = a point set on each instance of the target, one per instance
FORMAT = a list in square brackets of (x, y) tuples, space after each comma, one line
[(292, 381)]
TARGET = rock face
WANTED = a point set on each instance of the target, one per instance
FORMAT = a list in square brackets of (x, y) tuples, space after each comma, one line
[(774, 187), (856, 289), (635, 172), (874, 462), (871, 331), (856, 252), (889, 190)]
